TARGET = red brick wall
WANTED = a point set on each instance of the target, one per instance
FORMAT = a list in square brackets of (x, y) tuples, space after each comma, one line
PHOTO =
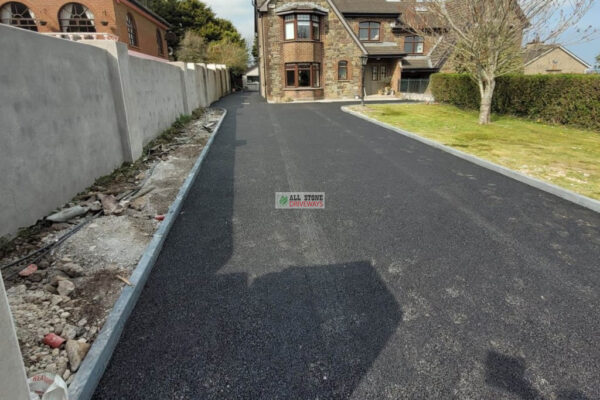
[(146, 31), (303, 94), (110, 12), (303, 52)]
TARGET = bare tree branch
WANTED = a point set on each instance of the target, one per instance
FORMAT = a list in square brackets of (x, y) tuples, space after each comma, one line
[(485, 37)]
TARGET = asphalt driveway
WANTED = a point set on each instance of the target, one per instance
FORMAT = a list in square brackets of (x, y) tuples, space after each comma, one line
[(425, 277)]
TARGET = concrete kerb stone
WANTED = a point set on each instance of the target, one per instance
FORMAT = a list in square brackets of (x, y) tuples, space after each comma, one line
[(565, 194), (98, 357)]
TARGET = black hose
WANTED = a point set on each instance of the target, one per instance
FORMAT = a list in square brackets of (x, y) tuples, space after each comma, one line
[(49, 246)]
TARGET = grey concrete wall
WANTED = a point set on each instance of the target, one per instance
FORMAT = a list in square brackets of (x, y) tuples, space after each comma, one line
[(201, 81), (213, 83), (59, 130), (157, 96), (191, 85), (72, 112), (118, 63)]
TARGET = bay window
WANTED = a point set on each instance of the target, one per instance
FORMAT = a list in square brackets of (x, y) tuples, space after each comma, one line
[(303, 21), (290, 27), (302, 27), (303, 75)]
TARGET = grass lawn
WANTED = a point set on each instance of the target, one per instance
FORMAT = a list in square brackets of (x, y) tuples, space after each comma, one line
[(564, 156)]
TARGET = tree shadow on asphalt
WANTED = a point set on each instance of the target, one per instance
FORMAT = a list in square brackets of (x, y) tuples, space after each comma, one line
[(302, 332), (508, 373)]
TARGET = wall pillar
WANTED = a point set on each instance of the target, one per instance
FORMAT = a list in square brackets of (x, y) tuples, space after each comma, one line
[(118, 54), (203, 89), (186, 101), (397, 76), (13, 380)]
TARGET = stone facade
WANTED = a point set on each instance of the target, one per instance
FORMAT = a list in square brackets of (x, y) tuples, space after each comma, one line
[(109, 17), (335, 45), (338, 43), (388, 33), (339, 46)]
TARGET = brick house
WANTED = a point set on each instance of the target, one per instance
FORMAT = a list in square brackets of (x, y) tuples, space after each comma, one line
[(314, 49), (128, 21)]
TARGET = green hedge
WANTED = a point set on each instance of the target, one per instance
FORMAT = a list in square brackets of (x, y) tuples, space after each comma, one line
[(563, 99)]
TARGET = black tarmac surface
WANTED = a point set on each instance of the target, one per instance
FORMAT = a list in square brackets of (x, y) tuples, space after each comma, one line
[(426, 277)]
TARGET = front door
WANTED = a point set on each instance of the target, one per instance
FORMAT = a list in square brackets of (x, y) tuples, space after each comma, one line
[(376, 78)]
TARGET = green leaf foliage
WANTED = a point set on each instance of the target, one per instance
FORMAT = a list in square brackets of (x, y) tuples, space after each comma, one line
[(184, 15)]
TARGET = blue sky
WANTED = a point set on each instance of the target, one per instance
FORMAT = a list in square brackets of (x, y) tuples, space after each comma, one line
[(588, 50), (240, 13)]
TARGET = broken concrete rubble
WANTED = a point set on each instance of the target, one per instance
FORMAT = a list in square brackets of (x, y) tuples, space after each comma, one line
[(68, 214), (76, 351), (65, 287), (74, 270), (139, 203), (69, 331), (110, 205)]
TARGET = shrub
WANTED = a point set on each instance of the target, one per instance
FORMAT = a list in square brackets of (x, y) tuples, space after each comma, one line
[(561, 99), (457, 89)]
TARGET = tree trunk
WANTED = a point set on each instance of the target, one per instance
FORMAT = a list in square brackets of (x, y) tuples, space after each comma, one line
[(486, 89)]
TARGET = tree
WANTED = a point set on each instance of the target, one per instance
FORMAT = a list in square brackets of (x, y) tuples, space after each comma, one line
[(598, 62), (485, 36), (230, 53), (185, 15), (195, 48), (255, 50)]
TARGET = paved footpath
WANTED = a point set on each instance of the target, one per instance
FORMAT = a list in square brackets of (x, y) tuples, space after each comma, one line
[(426, 277)]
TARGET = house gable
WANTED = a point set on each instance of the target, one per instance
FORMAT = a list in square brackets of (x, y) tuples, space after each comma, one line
[(553, 59)]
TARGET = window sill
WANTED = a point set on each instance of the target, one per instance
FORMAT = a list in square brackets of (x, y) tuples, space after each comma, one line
[(297, 89), (301, 40), (344, 80)]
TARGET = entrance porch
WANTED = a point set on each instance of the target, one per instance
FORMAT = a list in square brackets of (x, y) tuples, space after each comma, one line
[(382, 76)]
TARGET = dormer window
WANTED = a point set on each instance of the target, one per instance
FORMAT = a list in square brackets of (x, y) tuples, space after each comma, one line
[(413, 44), (302, 27), (369, 31)]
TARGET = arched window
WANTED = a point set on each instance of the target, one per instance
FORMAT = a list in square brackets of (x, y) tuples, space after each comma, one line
[(132, 30), (159, 43), (75, 17), (19, 15), (343, 71), (369, 31)]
